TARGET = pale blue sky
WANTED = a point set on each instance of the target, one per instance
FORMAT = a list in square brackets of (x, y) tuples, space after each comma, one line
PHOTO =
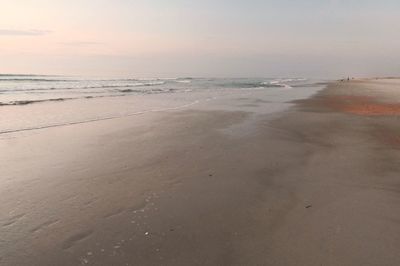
[(321, 38)]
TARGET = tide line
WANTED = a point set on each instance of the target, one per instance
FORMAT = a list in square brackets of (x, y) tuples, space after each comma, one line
[(100, 119)]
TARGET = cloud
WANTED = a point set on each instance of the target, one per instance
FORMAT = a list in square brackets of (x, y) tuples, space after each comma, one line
[(8, 32), (81, 43)]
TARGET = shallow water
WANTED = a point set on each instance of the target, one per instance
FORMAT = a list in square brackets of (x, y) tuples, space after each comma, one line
[(25, 89), (35, 102)]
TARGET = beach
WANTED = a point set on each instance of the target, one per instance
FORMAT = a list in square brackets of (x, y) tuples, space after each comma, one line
[(275, 175)]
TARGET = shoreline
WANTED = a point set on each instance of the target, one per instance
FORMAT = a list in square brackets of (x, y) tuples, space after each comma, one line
[(314, 184)]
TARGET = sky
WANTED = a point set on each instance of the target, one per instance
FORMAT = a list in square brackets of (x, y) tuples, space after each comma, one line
[(207, 38)]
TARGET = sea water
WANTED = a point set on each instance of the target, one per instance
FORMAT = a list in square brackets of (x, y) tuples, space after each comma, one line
[(30, 102)]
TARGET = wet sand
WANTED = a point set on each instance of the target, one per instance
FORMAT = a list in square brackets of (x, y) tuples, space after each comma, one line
[(317, 184)]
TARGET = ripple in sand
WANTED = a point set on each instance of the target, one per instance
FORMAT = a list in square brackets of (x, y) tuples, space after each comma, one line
[(139, 207), (14, 219), (72, 240), (114, 213), (43, 225)]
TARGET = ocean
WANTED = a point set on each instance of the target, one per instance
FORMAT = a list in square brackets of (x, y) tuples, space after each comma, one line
[(29, 89), (30, 102)]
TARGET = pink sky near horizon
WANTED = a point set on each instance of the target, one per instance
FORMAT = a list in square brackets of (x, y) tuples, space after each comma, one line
[(190, 38)]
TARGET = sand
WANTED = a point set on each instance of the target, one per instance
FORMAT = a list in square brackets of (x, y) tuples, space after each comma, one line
[(316, 184)]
